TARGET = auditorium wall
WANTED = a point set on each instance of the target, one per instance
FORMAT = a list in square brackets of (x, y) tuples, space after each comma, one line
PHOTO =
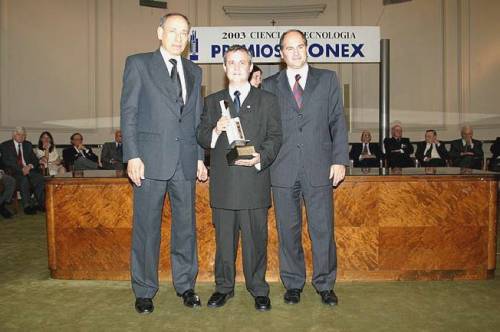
[(61, 62)]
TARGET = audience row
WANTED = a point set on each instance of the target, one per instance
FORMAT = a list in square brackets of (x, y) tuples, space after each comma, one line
[(464, 152), (22, 166)]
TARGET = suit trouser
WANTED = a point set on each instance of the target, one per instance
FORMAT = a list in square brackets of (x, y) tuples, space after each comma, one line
[(24, 182), (253, 226), (434, 162), (146, 234), (319, 208), (9, 184)]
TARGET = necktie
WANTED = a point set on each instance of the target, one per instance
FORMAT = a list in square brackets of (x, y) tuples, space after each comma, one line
[(174, 75), (237, 103), (119, 149), (298, 91), (19, 155), (428, 154), (467, 147), (365, 149)]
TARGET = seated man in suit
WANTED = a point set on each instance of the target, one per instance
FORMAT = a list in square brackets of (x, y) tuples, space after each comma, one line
[(467, 152), (240, 194), (21, 162), (398, 149), (431, 152), (112, 153), (365, 154), (495, 158), (78, 156)]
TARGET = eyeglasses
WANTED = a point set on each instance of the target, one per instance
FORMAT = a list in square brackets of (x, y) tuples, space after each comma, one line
[(175, 33)]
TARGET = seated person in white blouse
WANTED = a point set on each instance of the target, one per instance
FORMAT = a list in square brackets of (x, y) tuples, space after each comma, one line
[(47, 154)]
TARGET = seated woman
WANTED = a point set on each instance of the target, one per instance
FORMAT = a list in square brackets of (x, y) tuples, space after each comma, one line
[(47, 154), (365, 154)]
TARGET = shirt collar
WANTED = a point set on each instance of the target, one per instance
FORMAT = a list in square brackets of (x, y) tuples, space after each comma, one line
[(244, 91), (166, 57)]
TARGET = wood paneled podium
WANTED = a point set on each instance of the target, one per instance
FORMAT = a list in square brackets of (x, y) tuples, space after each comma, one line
[(410, 224)]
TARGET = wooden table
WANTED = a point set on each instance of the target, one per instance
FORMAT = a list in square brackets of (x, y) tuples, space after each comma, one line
[(414, 224)]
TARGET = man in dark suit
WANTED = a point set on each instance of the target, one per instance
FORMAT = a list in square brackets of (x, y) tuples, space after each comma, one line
[(78, 156), (21, 162), (312, 157), (431, 152), (161, 107), (8, 187), (467, 152), (240, 195), (365, 154), (398, 149), (495, 158), (112, 153)]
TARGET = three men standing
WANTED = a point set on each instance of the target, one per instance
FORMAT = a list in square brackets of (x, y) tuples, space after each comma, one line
[(312, 157), (161, 107)]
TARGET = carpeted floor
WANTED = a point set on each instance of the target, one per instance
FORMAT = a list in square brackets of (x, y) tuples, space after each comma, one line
[(30, 301)]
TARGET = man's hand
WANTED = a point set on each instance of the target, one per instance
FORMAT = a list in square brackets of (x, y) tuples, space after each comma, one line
[(26, 169), (222, 124), (202, 173), (249, 162), (135, 171), (337, 173)]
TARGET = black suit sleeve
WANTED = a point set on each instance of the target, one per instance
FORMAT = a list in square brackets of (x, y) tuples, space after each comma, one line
[(271, 145), (420, 151), (208, 121)]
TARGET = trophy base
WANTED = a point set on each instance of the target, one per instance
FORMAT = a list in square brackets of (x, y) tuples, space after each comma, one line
[(240, 152)]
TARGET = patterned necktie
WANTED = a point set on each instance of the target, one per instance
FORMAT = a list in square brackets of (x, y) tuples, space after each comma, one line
[(237, 103), (298, 91), (19, 155), (174, 75)]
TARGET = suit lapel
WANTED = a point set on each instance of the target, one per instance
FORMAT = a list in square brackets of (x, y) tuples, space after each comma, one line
[(311, 83), (189, 77), (250, 103), (229, 100), (286, 91), (160, 75)]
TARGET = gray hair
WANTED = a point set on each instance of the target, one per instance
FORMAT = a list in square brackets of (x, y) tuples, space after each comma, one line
[(19, 130), (165, 17)]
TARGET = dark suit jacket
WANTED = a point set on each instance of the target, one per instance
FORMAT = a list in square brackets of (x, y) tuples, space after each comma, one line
[(108, 152), (396, 159), (240, 187), (70, 155), (315, 134), (495, 148), (457, 147), (153, 128), (441, 149), (9, 157), (357, 149)]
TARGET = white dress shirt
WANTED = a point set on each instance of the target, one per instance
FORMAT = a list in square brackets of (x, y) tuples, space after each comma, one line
[(19, 146), (367, 149), (464, 143), (434, 152), (180, 69), (290, 74)]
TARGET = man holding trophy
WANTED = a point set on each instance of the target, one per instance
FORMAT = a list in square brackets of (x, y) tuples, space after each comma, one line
[(241, 126)]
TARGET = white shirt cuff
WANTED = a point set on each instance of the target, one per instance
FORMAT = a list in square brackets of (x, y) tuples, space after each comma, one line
[(257, 166), (215, 137)]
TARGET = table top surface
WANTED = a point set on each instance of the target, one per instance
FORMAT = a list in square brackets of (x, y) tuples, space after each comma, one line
[(352, 173)]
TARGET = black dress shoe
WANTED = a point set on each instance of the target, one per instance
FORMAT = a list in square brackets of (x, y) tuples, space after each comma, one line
[(5, 212), (262, 303), (328, 297), (144, 305), (292, 296), (190, 299), (29, 210), (219, 299)]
